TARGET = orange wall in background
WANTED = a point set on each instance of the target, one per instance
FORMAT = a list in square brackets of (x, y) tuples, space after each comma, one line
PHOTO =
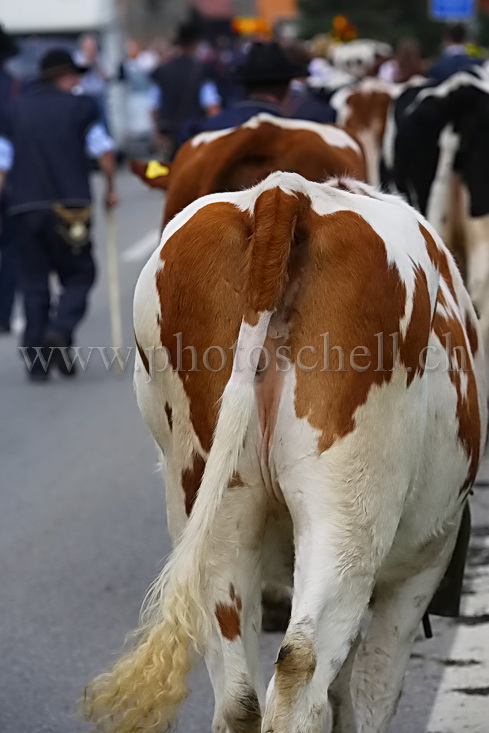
[(276, 9)]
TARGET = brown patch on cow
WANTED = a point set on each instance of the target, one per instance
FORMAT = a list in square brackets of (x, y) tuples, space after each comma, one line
[(295, 665), (201, 291), (246, 156), (418, 332), (191, 478), (229, 617), (471, 334), (447, 275), (236, 480), (368, 111), (275, 218), (439, 259), (144, 357), (169, 415), (344, 253), (452, 334), (456, 342), (431, 246)]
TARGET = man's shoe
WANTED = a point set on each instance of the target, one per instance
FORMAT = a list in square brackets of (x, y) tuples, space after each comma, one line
[(4, 327), (61, 358)]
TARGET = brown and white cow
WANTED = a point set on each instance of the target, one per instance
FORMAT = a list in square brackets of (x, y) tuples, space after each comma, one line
[(364, 110), (240, 157), (310, 367)]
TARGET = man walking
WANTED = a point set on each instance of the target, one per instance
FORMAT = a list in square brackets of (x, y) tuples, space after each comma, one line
[(455, 57), (182, 89), (46, 138)]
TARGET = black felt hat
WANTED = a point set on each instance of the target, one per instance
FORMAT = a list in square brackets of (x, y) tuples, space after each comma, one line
[(188, 33), (267, 63), (7, 46), (57, 62)]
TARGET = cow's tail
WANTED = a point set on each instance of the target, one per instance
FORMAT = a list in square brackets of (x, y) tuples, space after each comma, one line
[(144, 687)]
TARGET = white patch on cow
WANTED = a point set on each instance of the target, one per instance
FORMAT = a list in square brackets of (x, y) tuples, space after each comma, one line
[(437, 207), (204, 138), (369, 138), (358, 57), (327, 77), (477, 249), (329, 133), (442, 311), (447, 87), (248, 349), (339, 102), (389, 140), (464, 383)]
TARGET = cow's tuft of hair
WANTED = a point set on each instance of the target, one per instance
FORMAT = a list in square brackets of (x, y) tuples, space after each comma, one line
[(147, 683)]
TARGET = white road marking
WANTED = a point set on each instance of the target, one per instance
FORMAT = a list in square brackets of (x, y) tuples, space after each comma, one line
[(461, 703), (142, 248)]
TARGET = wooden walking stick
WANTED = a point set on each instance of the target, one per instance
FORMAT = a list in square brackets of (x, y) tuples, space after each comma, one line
[(114, 287)]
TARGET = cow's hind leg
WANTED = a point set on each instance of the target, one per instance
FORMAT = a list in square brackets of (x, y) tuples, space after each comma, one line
[(337, 555), (234, 593), (383, 655), (342, 713)]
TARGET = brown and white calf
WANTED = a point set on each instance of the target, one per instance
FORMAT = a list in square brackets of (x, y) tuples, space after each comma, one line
[(310, 368), (240, 157)]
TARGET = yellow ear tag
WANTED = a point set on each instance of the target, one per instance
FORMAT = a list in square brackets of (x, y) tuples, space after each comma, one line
[(156, 170)]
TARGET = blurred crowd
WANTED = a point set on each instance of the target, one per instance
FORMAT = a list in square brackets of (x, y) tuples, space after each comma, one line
[(173, 90)]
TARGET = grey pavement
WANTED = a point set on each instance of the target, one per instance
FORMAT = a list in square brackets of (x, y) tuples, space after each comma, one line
[(83, 533)]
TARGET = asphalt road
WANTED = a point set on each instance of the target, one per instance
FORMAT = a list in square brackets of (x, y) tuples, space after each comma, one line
[(82, 534)]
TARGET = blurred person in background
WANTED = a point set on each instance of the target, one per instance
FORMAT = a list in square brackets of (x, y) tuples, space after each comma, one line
[(455, 57), (304, 100), (9, 90), (182, 89), (408, 62), (265, 76), (46, 137), (135, 72), (95, 79)]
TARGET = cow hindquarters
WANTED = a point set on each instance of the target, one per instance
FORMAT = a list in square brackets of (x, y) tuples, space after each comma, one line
[(335, 564), (346, 504)]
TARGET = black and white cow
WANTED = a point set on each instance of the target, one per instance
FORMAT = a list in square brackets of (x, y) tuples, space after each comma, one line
[(436, 152)]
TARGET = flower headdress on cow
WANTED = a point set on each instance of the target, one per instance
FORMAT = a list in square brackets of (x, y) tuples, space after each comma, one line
[(343, 31)]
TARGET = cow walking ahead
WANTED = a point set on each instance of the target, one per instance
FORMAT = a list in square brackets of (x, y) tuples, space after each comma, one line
[(357, 454)]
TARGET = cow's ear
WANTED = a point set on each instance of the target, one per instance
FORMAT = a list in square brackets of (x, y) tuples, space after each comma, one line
[(153, 174)]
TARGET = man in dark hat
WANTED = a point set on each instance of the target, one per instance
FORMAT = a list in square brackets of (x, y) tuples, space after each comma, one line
[(46, 138), (265, 76), (183, 89), (9, 89)]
